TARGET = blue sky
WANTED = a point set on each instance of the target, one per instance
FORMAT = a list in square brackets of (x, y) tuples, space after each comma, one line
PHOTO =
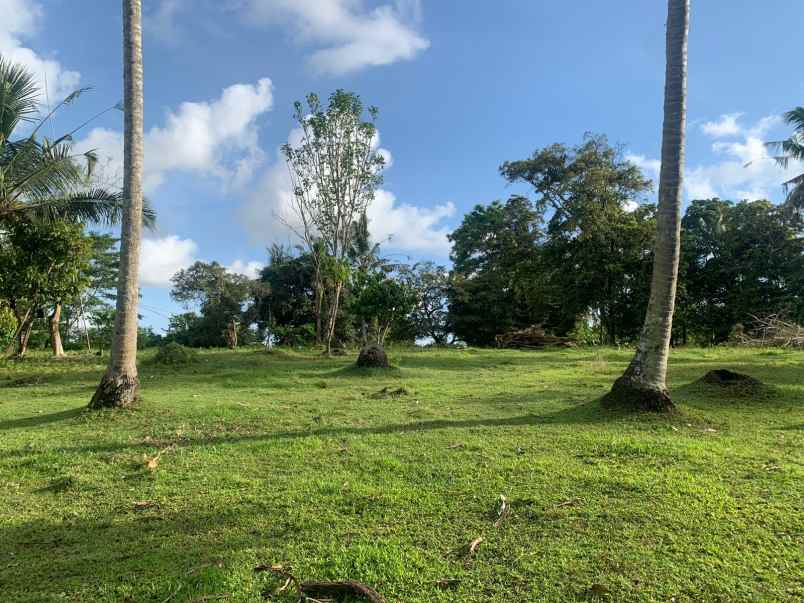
[(462, 85)]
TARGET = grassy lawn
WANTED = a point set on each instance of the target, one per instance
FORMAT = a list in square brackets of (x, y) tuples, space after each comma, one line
[(284, 457)]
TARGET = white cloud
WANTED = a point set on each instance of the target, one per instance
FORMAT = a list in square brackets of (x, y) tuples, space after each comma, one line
[(744, 169), (727, 125), (410, 227), (217, 138), (161, 258), (19, 20), (249, 269), (651, 166), (353, 36), (161, 21), (268, 215)]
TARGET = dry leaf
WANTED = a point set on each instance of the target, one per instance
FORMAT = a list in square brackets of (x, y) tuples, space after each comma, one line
[(503, 511), (140, 505), (152, 463), (473, 546), (457, 445), (445, 583)]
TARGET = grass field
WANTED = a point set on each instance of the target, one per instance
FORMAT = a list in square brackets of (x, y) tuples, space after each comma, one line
[(387, 477)]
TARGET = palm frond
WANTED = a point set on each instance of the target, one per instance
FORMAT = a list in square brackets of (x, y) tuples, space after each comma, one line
[(94, 205), (796, 118), (19, 97)]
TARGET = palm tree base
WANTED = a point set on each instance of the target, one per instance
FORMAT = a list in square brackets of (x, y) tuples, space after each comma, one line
[(115, 391), (629, 394)]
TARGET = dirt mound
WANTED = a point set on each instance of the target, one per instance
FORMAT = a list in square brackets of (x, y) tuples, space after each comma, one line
[(373, 356), (727, 378)]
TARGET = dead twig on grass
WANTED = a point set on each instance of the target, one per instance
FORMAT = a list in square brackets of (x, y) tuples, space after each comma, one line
[(311, 590), (503, 511)]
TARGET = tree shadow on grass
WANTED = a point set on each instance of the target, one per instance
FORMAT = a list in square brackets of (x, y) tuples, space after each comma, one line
[(150, 554), (584, 413), (38, 420)]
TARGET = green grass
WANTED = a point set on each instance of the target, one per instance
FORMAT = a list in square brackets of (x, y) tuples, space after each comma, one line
[(291, 458)]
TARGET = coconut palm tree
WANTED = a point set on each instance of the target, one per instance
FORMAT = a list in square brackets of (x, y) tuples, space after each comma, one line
[(792, 148), (39, 178), (120, 384), (643, 385), (45, 180)]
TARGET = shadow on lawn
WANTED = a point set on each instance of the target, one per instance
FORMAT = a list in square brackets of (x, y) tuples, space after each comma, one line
[(585, 413), (37, 420), (150, 554)]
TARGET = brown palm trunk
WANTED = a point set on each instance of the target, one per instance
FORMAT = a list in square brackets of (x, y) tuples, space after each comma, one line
[(55, 332), (643, 385), (120, 384)]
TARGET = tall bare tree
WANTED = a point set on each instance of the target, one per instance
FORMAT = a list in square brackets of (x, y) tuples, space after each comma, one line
[(120, 384), (335, 169), (643, 385)]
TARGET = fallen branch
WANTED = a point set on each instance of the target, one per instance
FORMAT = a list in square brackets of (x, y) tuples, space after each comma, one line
[(313, 590)]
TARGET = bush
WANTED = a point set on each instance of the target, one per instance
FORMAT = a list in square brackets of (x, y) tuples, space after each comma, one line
[(175, 354)]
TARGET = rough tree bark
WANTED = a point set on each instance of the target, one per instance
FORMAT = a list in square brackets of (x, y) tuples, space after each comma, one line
[(120, 385), (643, 385)]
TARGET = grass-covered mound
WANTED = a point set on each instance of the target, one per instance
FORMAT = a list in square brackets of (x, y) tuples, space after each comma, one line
[(174, 354), (247, 460)]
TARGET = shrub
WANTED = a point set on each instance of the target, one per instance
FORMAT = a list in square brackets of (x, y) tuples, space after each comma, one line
[(175, 354)]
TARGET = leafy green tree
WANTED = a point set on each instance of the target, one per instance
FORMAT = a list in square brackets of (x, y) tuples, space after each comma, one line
[(740, 262), (222, 297), (430, 314), (285, 306), (498, 280), (40, 266), (382, 302), (598, 240)]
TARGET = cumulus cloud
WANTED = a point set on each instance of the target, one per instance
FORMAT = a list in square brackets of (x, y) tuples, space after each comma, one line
[(161, 258), (268, 214), (744, 169), (409, 227), (353, 36), (727, 125), (216, 138), (19, 20), (248, 269)]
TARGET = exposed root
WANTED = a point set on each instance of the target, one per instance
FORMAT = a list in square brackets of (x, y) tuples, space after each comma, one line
[(629, 394)]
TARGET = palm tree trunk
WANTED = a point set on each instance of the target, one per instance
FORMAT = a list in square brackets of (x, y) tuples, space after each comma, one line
[(643, 385), (119, 386), (55, 333)]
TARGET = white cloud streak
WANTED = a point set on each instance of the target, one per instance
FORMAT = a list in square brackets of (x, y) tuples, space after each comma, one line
[(353, 37)]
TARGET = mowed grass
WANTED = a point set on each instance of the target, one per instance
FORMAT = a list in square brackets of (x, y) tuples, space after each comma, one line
[(291, 458)]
